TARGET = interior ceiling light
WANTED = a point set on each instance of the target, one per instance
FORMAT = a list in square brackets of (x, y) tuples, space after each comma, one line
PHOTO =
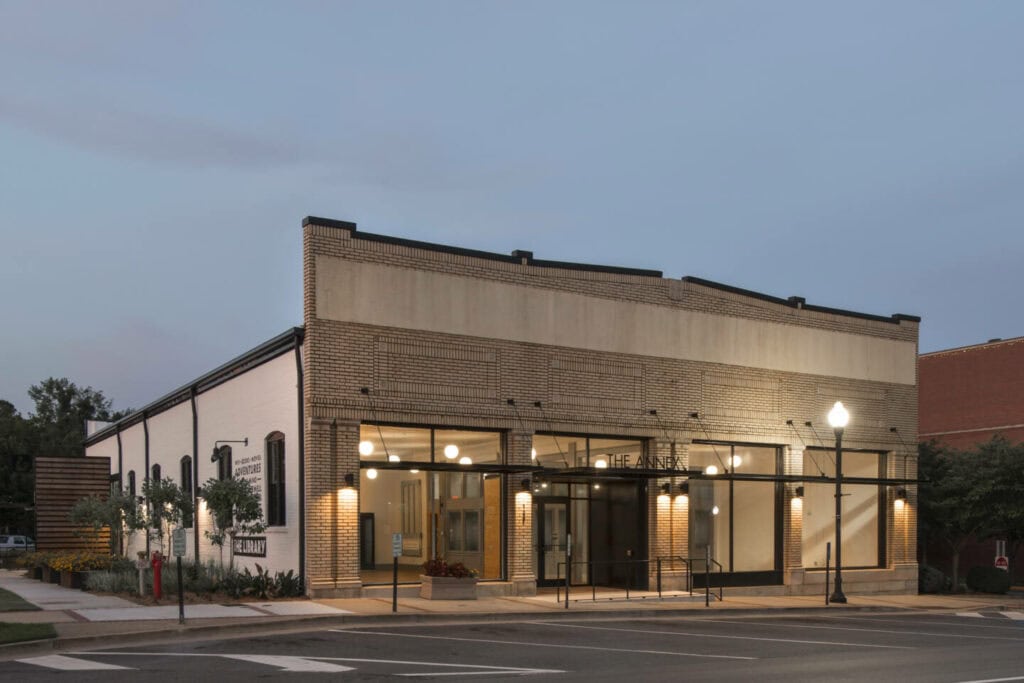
[(533, 454), (601, 464), (451, 451), (736, 461), (414, 471), (711, 469), (371, 473), (365, 448), (394, 458), (714, 510), (465, 460)]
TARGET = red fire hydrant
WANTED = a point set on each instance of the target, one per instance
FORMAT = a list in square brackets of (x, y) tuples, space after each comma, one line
[(156, 563)]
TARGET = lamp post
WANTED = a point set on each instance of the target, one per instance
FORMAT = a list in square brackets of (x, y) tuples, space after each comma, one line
[(838, 417)]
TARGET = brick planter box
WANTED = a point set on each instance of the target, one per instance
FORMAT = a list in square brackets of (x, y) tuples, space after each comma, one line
[(50, 575), (447, 588), (71, 579)]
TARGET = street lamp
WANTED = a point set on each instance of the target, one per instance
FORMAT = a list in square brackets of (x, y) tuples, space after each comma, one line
[(838, 417)]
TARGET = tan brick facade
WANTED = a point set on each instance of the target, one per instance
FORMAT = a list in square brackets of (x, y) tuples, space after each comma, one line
[(422, 376)]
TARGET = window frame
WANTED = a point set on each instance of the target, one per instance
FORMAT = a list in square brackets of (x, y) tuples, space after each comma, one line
[(274, 449)]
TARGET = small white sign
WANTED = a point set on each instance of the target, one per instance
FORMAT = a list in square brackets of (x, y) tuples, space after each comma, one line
[(396, 545), (1003, 562), (178, 542)]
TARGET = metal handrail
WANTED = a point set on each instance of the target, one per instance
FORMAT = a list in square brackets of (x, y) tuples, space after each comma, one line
[(687, 563)]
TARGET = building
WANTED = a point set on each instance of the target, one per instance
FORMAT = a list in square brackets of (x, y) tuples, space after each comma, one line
[(967, 396), (531, 418), (970, 394)]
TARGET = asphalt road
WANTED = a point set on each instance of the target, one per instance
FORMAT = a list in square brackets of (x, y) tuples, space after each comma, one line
[(838, 646)]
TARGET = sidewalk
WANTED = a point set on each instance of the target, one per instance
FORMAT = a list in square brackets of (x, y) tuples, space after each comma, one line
[(83, 619)]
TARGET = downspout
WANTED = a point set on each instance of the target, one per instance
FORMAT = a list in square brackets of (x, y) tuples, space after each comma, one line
[(145, 475), (302, 459), (120, 485), (195, 475)]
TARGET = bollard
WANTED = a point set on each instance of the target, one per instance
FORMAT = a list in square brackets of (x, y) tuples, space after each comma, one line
[(157, 563)]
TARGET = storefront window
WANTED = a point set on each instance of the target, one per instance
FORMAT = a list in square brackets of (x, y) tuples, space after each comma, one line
[(565, 451), (735, 518), (455, 516), (861, 518)]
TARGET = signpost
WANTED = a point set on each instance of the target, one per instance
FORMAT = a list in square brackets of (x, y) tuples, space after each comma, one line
[(396, 552), (178, 543)]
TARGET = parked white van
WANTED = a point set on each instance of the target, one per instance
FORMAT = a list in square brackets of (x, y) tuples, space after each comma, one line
[(8, 543)]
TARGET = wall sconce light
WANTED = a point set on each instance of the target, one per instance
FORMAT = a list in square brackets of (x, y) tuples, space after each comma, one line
[(901, 494), (525, 485), (216, 447), (799, 491), (665, 488), (684, 489), (371, 473), (350, 480)]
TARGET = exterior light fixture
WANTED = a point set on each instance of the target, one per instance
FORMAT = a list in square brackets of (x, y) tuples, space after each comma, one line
[(901, 498), (533, 454), (711, 470), (394, 458), (839, 417), (736, 461), (799, 491), (451, 451), (414, 471), (684, 489), (715, 510), (525, 485), (371, 473), (350, 480), (465, 460), (665, 488), (596, 486), (365, 448), (601, 464)]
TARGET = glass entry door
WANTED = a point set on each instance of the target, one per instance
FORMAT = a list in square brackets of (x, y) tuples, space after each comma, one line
[(552, 540)]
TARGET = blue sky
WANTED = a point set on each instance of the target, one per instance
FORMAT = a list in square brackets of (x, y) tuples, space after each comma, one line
[(157, 159)]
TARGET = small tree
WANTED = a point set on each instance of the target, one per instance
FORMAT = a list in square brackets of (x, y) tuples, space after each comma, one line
[(235, 508), (169, 506), (119, 511)]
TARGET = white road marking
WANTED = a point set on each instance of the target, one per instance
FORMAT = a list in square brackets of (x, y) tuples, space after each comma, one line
[(975, 615), (286, 663), (478, 668), (528, 644), (1016, 616), (996, 680), (868, 630), (69, 663), (715, 635), (988, 624)]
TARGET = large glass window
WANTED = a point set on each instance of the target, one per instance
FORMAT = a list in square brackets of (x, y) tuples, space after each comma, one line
[(275, 479), (451, 515), (860, 508), (735, 518), (566, 451), (186, 484)]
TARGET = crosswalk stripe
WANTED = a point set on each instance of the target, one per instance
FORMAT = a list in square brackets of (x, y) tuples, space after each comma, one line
[(1016, 616), (286, 663), (63, 663), (975, 615)]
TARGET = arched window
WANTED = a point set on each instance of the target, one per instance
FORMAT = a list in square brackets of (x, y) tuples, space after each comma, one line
[(155, 476), (186, 484), (131, 483), (275, 479), (222, 456)]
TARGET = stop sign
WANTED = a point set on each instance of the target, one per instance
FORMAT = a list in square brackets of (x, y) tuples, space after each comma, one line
[(1002, 562)]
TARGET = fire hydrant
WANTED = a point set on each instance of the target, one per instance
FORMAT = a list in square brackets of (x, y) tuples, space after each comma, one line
[(157, 562)]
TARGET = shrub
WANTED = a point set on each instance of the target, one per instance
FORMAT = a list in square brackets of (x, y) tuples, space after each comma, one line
[(438, 567), (932, 580), (113, 581), (988, 580), (258, 584), (288, 585), (79, 561)]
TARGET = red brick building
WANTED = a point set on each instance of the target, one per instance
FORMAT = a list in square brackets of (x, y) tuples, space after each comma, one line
[(968, 395)]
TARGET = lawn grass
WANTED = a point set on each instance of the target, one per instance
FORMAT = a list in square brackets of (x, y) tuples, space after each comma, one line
[(16, 633), (9, 602)]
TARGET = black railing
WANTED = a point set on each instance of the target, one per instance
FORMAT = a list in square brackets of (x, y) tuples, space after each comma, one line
[(671, 560)]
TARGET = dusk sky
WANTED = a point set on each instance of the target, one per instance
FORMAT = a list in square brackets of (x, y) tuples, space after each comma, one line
[(158, 159)]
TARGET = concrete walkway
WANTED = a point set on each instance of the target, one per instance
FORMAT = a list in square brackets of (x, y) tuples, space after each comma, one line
[(85, 620)]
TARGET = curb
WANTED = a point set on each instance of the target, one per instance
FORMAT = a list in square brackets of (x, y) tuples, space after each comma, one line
[(179, 633)]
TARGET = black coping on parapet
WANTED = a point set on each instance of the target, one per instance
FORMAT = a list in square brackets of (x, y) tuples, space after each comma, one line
[(268, 350), (800, 302), (475, 253)]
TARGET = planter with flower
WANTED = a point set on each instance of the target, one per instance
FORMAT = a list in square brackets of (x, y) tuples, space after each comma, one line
[(74, 566), (443, 581)]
